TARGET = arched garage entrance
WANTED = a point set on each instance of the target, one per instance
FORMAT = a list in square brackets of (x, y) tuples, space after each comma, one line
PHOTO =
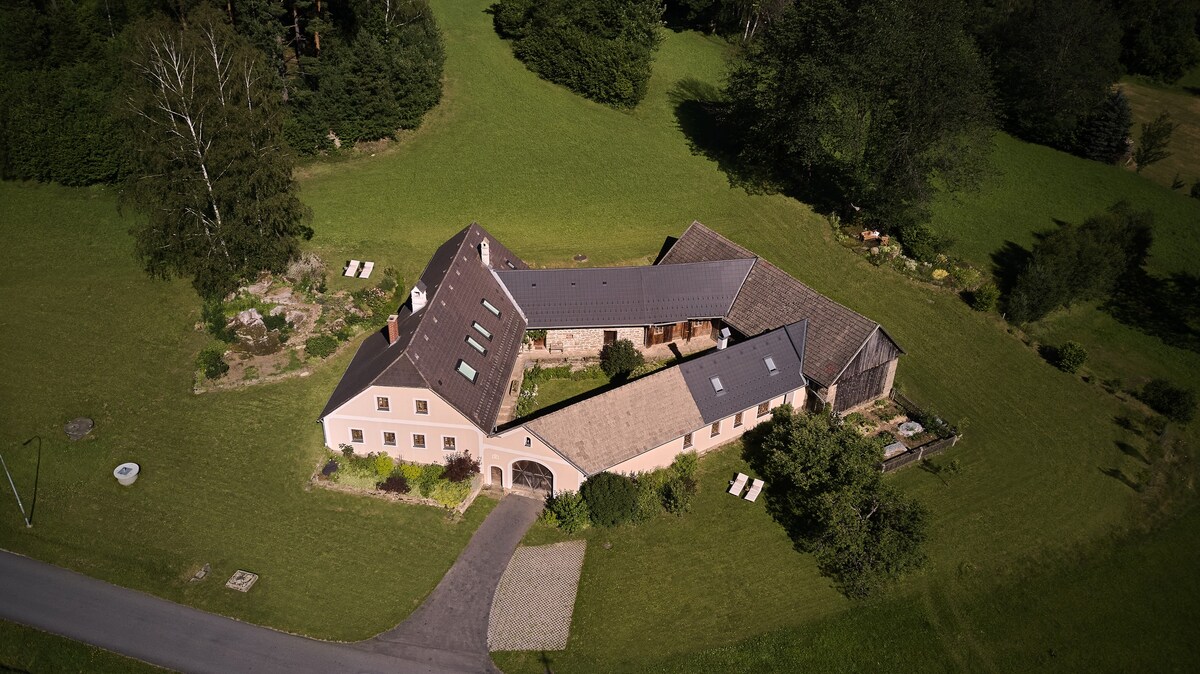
[(532, 475)]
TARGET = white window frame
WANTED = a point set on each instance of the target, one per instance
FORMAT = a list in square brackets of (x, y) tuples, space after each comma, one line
[(384, 434), (738, 419), (715, 429), (453, 442), (362, 438), (424, 443), (387, 404), (417, 407), (688, 440)]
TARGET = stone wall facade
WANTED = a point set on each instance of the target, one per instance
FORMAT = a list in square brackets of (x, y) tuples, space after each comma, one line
[(590, 339)]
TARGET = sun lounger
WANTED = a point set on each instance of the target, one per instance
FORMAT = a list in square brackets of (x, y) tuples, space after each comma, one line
[(738, 484), (366, 272), (352, 269), (755, 487)]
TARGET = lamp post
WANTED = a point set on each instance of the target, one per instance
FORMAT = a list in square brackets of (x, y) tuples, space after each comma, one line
[(37, 474)]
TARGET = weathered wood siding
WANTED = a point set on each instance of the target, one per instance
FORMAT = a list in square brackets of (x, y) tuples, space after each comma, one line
[(867, 376), (878, 350)]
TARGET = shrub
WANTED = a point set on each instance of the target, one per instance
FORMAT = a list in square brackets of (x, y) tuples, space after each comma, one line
[(460, 467), (921, 242), (430, 474), (569, 511), (649, 502), (410, 471), (321, 346), (985, 297), (449, 494), (620, 358), (395, 484), (212, 314), (1173, 402), (967, 278), (1070, 357), (211, 361), (383, 464), (611, 498), (678, 494), (685, 465), (347, 450)]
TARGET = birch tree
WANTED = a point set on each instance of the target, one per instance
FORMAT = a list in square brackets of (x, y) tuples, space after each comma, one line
[(211, 175)]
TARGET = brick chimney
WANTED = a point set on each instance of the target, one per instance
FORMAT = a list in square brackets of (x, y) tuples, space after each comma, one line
[(393, 328)]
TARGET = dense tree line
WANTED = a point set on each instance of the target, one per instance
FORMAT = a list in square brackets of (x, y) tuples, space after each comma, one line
[(601, 49), (345, 71)]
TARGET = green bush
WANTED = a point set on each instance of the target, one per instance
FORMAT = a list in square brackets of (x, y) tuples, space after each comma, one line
[(985, 297), (611, 498), (1174, 402), (211, 362), (686, 465), (678, 494), (395, 484), (569, 511), (967, 278), (1070, 357), (384, 465), (620, 358), (410, 471), (650, 486), (920, 242), (321, 346), (430, 474), (449, 494)]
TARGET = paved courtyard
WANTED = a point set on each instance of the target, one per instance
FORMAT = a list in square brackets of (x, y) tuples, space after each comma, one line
[(536, 598)]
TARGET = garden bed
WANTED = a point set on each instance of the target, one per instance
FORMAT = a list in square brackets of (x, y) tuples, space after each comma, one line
[(452, 486)]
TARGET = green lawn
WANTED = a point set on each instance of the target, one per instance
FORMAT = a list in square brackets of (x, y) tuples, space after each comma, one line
[(554, 391), (1148, 101), (552, 175), (24, 649)]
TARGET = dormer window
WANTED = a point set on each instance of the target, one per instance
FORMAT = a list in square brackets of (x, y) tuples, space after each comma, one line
[(718, 387), (482, 330), (491, 307), (476, 345), (467, 371), (770, 363)]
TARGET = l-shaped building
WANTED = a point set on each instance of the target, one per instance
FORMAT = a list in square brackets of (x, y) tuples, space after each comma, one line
[(434, 380)]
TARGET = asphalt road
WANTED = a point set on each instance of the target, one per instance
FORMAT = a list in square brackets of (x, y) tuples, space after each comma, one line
[(448, 633)]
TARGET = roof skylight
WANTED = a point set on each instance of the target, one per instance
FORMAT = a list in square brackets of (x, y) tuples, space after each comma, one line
[(770, 362), (467, 371), (718, 387), (490, 307), (482, 330), (476, 345)]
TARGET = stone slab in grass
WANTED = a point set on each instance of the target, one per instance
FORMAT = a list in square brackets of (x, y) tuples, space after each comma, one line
[(77, 428), (242, 581), (535, 599)]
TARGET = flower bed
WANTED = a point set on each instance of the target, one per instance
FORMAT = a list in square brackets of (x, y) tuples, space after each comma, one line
[(451, 485)]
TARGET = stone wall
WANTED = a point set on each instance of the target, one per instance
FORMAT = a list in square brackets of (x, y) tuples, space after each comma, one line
[(590, 339)]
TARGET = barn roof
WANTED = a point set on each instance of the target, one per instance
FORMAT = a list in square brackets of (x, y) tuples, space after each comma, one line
[(771, 298), (626, 296)]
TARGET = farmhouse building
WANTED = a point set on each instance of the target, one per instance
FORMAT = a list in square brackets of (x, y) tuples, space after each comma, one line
[(437, 378)]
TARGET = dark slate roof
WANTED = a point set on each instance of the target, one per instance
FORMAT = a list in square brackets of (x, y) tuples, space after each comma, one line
[(433, 340), (626, 296), (743, 372), (770, 298)]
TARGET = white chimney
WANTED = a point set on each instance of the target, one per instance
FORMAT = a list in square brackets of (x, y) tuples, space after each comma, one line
[(418, 297), (485, 253), (723, 338)]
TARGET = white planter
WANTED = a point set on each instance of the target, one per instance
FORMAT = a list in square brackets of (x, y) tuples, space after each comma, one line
[(126, 473)]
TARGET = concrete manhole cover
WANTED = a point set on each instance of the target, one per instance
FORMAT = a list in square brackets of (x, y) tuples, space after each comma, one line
[(77, 428), (242, 581)]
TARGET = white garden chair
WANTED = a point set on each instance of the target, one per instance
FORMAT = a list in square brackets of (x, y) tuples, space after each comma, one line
[(755, 487), (738, 484), (366, 270), (352, 269)]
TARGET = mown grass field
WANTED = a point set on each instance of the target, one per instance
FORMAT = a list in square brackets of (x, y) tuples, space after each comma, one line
[(1148, 101), (552, 175), (24, 649)]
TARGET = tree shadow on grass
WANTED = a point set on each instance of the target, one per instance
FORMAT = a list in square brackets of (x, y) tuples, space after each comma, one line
[(1120, 476), (1131, 451), (1008, 263), (698, 113), (1167, 308)]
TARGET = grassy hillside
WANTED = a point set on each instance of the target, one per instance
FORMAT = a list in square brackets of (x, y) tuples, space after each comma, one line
[(552, 175)]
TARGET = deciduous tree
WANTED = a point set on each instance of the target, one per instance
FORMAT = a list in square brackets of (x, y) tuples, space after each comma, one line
[(1153, 142), (210, 176)]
